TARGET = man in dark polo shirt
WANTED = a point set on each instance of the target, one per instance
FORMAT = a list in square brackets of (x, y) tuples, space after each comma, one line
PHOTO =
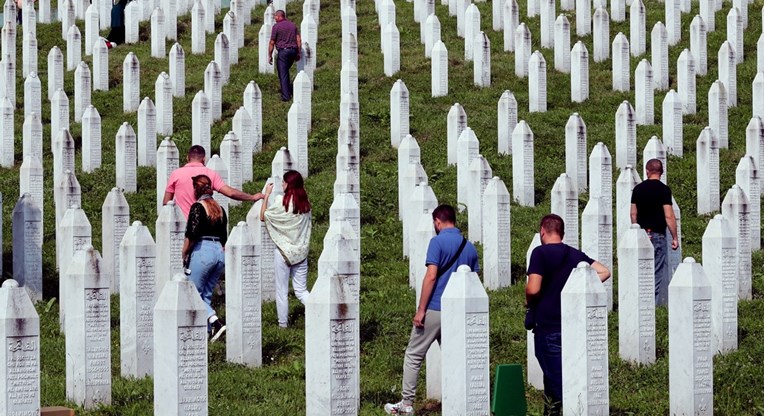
[(652, 209), (286, 38)]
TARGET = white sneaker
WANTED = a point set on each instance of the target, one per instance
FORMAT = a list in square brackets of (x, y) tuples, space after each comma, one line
[(399, 408)]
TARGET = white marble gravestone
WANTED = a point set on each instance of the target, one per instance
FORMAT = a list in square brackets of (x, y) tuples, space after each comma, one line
[(27, 246), (264, 67), (180, 349), (245, 132), (231, 153), (303, 91), (562, 45), (230, 29), (583, 17), (73, 48), (618, 10), (399, 113), (32, 137), (29, 55), (170, 229), (115, 219), (482, 60), (600, 173), (432, 33), (699, 43), (131, 73), (214, 89), (659, 56), (576, 151), (686, 82), (755, 142), (126, 155), (158, 33), (465, 346), (59, 114), (758, 95), (637, 28), (91, 28), (297, 137), (177, 58), (467, 150), (717, 100), (637, 303), (132, 17), (216, 163), (82, 90), (748, 177), (627, 180), (537, 83), (584, 342), (198, 27), (167, 161), (479, 175), (201, 120), (523, 164), (600, 35), (510, 21), (253, 102), (408, 153), (580, 73), (32, 95), (170, 8), (456, 122), (243, 306), (735, 32), (147, 133), (761, 53), (690, 341), (736, 208), (439, 70), (672, 123), (564, 202), (507, 119), (644, 93), (391, 50), (708, 167), (163, 99), (88, 335), (496, 235), (345, 213), (597, 237), (73, 231), (100, 67), (655, 149), (6, 133), (20, 331), (137, 261), (547, 23), (67, 16), (626, 135), (726, 72), (719, 257), (472, 29), (522, 50), (422, 201), (222, 58), (63, 156), (672, 19)]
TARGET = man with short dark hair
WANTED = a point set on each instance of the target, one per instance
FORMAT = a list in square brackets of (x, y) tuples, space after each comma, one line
[(286, 38), (549, 268), (181, 188), (651, 208), (446, 251)]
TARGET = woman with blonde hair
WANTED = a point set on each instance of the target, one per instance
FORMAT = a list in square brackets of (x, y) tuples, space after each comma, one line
[(288, 222), (203, 255)]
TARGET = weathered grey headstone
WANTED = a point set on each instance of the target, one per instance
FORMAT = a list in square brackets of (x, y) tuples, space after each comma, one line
[(131, 93), (637, 304), (726, 73), (699, 43), (580, 73), (510, 21), (507, 119), (736, 208), (537, 83), (644, 87), (170, 229), (465, 347), (584, 342), (672, 123), (523, 164), (659, 56), (243, 305), (399, 113), (20, 331), (177, 58), (27, 246), (637, 28), (562, 44), (456, 122), (91, 140), (717, 100), (522, 50), (180, 349), (439, 70), (100, 67), (137, 261), (707, 167), (163, 99), (496, 235), (690, 340), (214, 89)]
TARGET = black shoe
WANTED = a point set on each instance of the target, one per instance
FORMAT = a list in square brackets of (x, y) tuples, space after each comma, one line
[(217, 329)]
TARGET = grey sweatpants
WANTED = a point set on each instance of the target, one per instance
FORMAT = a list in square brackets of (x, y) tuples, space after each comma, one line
[(419, 342)]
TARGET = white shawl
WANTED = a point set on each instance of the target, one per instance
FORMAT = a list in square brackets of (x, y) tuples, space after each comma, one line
[(290, 232)]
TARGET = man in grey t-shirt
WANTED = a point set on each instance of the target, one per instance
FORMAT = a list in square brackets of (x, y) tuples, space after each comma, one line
[(286, 38)]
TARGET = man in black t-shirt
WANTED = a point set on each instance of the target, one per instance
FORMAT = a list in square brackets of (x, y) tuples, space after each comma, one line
[(651, 208), (550, 266)]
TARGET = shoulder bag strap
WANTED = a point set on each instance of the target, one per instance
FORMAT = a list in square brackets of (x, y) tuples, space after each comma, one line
[(454, 258)]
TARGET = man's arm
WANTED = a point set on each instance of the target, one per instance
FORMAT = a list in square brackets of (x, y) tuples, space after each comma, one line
[(633, 213), (603, 272), (271, 44), (238, 195), (428, 283), (669, 216), (533, 286), (168, 197)]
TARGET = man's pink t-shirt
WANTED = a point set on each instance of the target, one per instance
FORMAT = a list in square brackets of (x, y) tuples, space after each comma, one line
[(180, 184)]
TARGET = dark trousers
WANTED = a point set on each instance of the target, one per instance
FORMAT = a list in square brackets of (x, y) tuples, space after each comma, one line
[(547, 348), (284, 61)]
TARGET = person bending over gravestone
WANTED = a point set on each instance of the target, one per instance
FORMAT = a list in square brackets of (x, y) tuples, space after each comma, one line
[(203, 256), (286, 38), (549, 268), (446, 251), (180, 187), (651, 208)]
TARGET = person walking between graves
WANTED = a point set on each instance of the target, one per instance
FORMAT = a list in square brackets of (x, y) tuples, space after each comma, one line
[(203, 256), (286, 38), (651, 208), (446, 251), (549, 268), (180, 187), (288, 222), (117, 33)]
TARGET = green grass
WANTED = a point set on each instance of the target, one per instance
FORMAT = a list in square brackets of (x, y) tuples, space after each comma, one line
[(386, 301)]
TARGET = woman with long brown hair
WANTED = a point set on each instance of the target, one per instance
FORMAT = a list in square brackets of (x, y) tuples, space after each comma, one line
[(203, 256), (288, 222)]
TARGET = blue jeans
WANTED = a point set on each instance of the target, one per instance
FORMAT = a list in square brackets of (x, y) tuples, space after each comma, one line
[(547, 348), (660, 269), (284, 60), (207, 263)]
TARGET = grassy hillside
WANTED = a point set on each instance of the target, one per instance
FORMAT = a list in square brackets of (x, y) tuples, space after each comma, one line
[(386, 301)]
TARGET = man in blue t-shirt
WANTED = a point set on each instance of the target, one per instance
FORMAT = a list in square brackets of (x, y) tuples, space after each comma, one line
[(446, 251), (549, 268)]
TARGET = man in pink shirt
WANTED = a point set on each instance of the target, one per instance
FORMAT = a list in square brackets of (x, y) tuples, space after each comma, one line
[(180, 187)]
